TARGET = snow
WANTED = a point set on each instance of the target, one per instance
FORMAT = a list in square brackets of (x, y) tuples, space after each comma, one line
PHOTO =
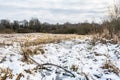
[(82, 54)]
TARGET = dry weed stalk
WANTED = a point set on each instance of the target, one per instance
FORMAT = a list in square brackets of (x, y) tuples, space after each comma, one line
[(103, 37), (27, 51), (74, 68), (7, 74), (19, 76), (111, 67)]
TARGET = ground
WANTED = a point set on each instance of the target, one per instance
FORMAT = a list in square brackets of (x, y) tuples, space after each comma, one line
[(73, 57)]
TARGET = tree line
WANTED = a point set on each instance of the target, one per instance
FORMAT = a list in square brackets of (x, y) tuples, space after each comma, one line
[(34, 25)]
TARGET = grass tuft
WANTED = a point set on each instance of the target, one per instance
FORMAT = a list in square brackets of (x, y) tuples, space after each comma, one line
[(111, 67)]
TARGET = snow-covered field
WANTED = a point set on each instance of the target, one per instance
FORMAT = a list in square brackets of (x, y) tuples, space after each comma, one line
[(82, 58)]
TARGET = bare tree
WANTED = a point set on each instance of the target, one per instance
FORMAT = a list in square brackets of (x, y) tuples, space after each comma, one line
[(114, 10), (114, 18)]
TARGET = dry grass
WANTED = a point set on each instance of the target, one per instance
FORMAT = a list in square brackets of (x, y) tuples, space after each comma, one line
[(19, 76), (74, 68), (111, 67), (32, 39), (113, 38), (50, 38), (7, 73), (30, 51), (2, 44)]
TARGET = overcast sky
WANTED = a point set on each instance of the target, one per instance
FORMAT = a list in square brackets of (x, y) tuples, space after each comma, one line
[(54, 11)]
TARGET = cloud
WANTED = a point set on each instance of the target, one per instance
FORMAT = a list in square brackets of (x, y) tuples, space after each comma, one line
[(53, 11)]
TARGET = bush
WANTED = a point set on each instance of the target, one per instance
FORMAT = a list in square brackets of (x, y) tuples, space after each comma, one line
[(6, 31)]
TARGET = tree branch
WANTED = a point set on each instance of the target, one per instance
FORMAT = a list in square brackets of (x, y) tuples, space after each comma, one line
[(41, 66)]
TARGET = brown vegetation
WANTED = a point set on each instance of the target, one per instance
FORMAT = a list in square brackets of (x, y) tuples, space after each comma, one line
[(7, 73), (32, 39), (111, 67)]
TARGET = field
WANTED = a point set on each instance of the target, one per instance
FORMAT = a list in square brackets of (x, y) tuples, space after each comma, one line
[(40, 56)]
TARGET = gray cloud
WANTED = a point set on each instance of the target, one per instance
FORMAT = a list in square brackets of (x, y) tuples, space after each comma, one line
[(53, 10)]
